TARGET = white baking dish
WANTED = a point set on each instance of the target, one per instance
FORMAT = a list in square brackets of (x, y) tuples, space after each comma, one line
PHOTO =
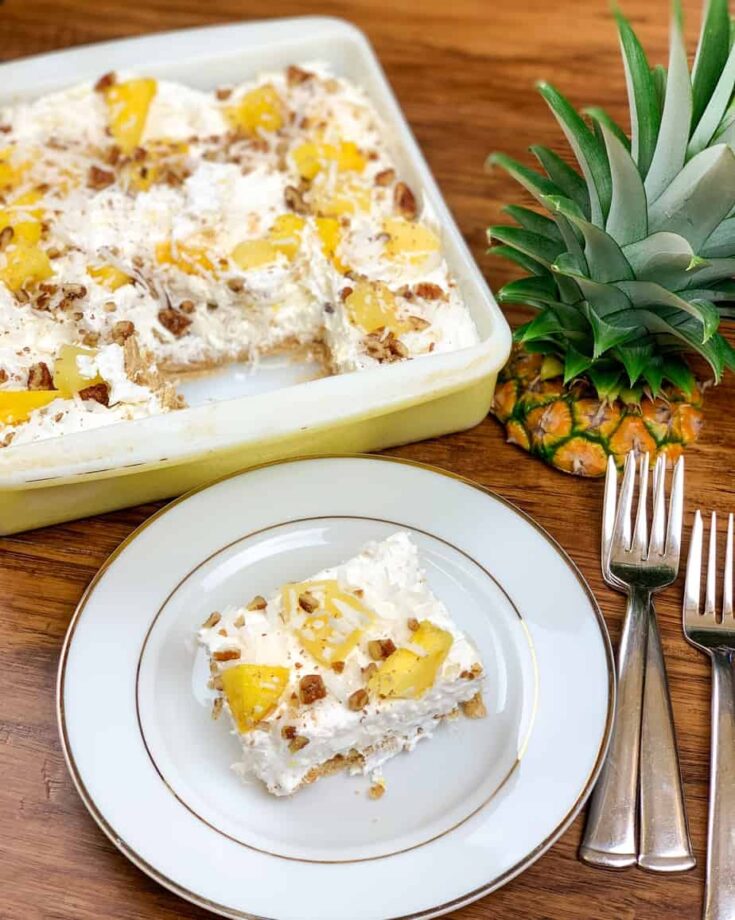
[(242, 418)]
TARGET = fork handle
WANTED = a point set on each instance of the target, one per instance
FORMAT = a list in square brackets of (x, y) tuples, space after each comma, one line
[(664, 836), (610, 834), (719, 896)]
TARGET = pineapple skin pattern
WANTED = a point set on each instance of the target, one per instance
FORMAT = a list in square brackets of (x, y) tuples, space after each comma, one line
[(572, 429), (631, 270)]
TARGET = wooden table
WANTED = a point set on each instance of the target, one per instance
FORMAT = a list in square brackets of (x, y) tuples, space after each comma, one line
[(464, 73)]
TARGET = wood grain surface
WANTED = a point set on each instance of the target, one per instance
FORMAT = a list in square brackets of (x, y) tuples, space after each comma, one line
[(464, 73)]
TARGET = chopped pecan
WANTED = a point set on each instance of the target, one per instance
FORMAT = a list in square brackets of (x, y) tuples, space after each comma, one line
[(223, 92), (6, 237), (227, 654), (42, 301), (122, 330), (99, 392), (385, 177), (376, 790), (288, 732), (39, 377), (295, 200), (369, 670), (187, 306), (338, 666), (297, 742), (311, 689), (384, 347), (175, 321), (428, 291), (105, 81), (418, 323), (239, 621), (98, 178), (296, 75), (258, 603), (91, 339), (308, 602), (3, 375), (345, 293), (212, 620), (358, 700), (217, 708), (474, 708), (405, 201), (413, 624), (73, 291), (380, 648), (109, 306), (112, 155), (236, 285)]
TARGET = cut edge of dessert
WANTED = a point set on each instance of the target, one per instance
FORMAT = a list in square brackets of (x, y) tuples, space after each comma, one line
[(340, 671)]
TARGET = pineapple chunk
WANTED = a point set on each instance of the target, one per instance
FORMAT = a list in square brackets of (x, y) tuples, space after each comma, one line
[(311, 158), (17, 405), (407, 674), (10, 173), (408, 241), (307, 157), (109, 276), (25, 220), (329, 233), (254, 254), (24, 265), (128, 104), (260, 109), (190, 259), (332, 631), (68, 379), (253, 692), (372, 306), (285, 234), (345, 197)]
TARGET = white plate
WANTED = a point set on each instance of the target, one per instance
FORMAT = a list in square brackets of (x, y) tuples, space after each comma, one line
[(464, 813)]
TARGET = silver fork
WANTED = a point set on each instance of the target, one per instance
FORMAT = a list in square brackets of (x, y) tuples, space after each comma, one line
[(642, 568), (716, 637), (664, 844)]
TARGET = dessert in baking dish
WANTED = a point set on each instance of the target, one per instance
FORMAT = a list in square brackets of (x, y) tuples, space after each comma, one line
[(341, 671), (205, 227)]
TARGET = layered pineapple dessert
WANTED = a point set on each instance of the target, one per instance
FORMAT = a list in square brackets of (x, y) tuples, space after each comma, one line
[(341, 671), (206, 227)]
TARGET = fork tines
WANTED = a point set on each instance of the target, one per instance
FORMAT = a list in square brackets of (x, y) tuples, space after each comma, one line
[(633, 547), (692, 588)]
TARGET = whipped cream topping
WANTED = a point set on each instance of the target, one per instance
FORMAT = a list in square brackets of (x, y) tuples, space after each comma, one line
[(394, 587), (170, 217)]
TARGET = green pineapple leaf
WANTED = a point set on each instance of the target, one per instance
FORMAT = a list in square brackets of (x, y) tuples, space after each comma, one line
[(712, 52), (645, 110), (648, 294), (606, 379), (627, 220), (601, 117), (588, 150), (605, 335), (532, 181), (721, 242), (604, 257), (533, 221), (673, 134), (699, 198), (520, 258), (568, 181), (662, 258), (541, 289), (635, 359), (539, 248), (679, 373), (716, 108), (575, 363)]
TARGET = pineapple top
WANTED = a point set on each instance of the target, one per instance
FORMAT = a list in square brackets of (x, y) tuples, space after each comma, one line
[(634, 266)]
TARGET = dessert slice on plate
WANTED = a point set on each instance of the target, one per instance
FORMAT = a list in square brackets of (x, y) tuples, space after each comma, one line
[(342, 670)]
